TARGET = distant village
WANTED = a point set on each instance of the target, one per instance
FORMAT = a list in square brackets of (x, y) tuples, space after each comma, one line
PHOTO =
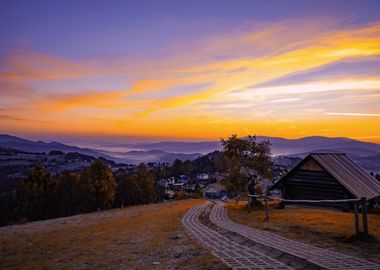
[(205, 177)]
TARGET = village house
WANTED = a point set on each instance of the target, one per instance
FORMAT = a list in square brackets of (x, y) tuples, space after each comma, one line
[(202, 176), (183, 179)]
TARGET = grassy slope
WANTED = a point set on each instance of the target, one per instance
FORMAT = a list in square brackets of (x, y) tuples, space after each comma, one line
[(323, 228), (137, 237)]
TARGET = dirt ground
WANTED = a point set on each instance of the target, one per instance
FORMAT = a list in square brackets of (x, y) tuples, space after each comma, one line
[(324, 228), (139, 237)]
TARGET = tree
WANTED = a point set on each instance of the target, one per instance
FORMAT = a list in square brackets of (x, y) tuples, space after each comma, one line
[(137, 188), (69, 195), (128, 191), (247, 159), (121, 189), (236, 180), (221, 162), (162, 171), (38, 193), (99, 186), (177, 168), (187, 167), (145, 180), (133, 190)]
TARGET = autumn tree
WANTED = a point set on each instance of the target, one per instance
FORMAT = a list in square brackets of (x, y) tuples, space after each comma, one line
[(177, 167), (145, 180), (247, 159), (136, 188), (99, 186), (38, 194), (221, 162), (187, 167), (162, 171), (69, 194), (133, 190), (121, 189)]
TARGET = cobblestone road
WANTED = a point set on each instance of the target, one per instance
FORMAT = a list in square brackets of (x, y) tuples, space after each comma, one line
[(233, 254), (322, 257)]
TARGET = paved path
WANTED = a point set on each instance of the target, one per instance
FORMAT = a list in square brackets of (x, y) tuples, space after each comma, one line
[(233, 254), (322, 257)]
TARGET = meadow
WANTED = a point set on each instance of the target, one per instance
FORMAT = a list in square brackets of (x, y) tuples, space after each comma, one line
[(137, 237), (328, 229)]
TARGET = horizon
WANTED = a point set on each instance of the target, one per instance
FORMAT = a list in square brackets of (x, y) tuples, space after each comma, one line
[(88, 141), (178, 71)]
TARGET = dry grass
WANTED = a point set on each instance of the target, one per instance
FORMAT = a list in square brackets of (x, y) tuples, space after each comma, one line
[(140, 237), (328, 229)]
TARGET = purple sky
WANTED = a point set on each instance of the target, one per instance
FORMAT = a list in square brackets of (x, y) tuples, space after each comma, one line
[(82, 29), (190, 69)]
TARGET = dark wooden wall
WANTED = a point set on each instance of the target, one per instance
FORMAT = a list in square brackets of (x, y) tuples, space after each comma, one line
[(315, 185)]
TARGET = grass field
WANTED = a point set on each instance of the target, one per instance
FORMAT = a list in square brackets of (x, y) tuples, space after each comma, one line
[(139, 237), (328, 229)]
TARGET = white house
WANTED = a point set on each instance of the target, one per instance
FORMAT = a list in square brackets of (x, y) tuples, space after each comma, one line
[(183, 179), (202, 176)]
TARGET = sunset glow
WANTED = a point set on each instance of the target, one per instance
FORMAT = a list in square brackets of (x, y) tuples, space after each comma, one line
[(313, 74)]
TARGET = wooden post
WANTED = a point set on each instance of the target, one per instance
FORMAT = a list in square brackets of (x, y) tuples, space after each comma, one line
[(249, 204), (357, 224), (365, 217), (266, 210)]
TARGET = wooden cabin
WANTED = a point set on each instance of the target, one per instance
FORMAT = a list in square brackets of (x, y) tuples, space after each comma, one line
[(326, 176)]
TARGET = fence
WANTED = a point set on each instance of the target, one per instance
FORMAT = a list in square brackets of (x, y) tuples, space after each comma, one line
[(356, 202)]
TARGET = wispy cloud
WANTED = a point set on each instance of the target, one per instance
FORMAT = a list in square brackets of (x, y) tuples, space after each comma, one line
[(353, 114), (222, 80)]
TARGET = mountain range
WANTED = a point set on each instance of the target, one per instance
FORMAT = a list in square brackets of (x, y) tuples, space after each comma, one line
[(168, 151)]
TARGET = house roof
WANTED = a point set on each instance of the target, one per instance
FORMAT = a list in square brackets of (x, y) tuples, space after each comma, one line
[(358, 182)]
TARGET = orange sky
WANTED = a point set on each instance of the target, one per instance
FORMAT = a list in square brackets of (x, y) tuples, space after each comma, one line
[(292, 78)]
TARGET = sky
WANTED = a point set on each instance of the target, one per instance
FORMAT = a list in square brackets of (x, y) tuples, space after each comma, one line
[(190, 70)]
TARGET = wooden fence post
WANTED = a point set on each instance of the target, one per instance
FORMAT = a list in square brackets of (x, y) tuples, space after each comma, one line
[(357, 224), (365, 217), (249, 204), (266, 210)]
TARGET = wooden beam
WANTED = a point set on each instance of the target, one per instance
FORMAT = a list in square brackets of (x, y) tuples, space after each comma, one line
[(357, 224), (365, 217), (266, 210), (249, 204)]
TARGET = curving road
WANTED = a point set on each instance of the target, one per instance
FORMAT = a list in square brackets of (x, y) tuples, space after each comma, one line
[(233, 254), (322, 257)]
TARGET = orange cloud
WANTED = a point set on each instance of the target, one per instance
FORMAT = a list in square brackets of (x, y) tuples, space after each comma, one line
[(210, 84)]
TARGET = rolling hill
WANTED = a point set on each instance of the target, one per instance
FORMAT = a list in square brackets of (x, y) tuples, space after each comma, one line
[(365, 153)]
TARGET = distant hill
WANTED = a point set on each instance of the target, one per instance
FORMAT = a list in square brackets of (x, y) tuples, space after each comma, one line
[(280, 146), (303, 146), (130, 157), (179, 147), (8, 141), (135, 157), (367, 154)]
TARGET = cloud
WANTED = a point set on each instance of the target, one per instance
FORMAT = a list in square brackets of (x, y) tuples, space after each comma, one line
[(21, 119), (224, 79), (312, 87), (353, 114), (329, 48)]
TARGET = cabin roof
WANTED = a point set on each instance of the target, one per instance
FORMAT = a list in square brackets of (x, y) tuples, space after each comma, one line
[(349, 174)]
